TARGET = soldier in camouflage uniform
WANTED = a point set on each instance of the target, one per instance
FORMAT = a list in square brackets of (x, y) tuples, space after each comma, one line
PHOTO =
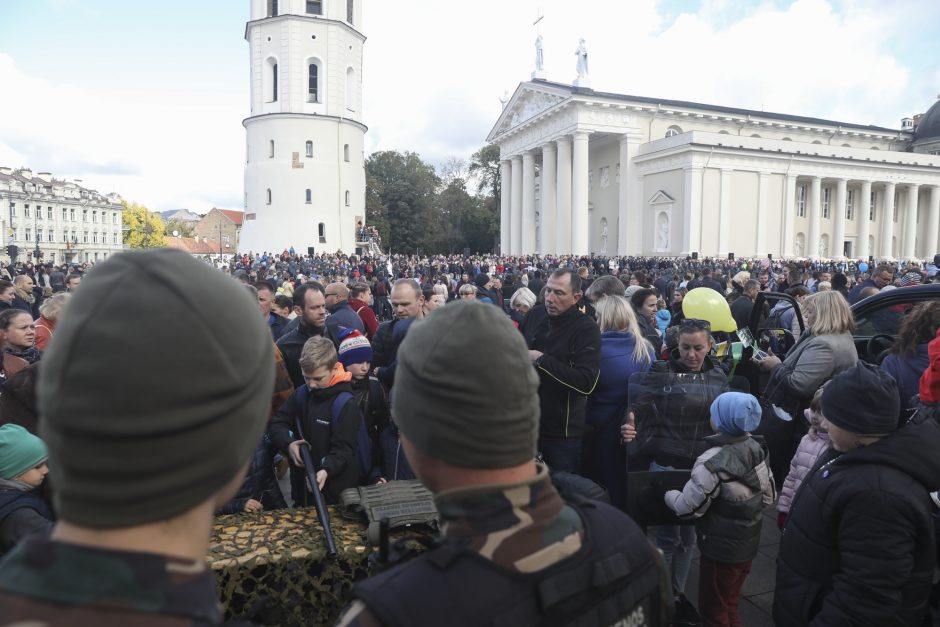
[(512, 552), (148, 433)]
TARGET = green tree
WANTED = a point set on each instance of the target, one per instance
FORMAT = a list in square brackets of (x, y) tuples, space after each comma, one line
[(402, 187), (484, 169), (142, 227), (185, 229)]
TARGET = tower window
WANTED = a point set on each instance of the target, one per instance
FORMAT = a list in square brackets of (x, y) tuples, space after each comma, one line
[(274, 82), (272, 8), (271, 151), (309, 146), (308, 195), (672, 131), (347, 197), (350, 10), (350, 89), (315, 7), (321, 231), (269, 195), (345, 152), (313, 83)]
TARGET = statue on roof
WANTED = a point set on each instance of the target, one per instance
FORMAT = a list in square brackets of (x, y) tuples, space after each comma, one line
[(539, 61), (582, 54)]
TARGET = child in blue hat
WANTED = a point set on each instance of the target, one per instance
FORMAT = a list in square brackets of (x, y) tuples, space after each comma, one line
[(23, 510), (731, 484)]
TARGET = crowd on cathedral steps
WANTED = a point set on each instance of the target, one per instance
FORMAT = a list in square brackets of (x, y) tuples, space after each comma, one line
[(147, 394)]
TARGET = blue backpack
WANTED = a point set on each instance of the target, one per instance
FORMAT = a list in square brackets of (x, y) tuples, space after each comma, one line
[(363, 442)]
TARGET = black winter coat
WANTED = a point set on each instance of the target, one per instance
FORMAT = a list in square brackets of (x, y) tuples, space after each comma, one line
[(333, 448), (858, 547), (568, 371), (292, 344)]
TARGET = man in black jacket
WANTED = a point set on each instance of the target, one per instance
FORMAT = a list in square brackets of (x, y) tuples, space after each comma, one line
[(566, 354), (310, 306), (858, 547), (407, 302)]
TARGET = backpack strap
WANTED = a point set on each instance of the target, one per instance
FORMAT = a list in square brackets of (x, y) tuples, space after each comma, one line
[(338, 404)]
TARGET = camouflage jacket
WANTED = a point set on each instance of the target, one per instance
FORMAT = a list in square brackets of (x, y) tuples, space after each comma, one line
[(50, 583), (524, 528)]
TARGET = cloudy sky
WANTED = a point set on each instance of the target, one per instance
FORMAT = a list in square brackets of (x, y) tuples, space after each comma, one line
[(147, 98)]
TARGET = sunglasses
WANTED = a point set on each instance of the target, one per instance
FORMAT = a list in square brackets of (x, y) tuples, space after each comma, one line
[(694, 323)]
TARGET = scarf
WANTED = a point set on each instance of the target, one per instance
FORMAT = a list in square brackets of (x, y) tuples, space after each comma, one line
[(12, 484), (29, 297), (31, 354)]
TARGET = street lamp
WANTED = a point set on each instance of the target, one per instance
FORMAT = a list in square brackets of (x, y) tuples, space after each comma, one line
[(220, 236)]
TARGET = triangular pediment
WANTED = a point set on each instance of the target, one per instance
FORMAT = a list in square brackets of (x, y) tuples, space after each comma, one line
[(528, 101), (661, 198)]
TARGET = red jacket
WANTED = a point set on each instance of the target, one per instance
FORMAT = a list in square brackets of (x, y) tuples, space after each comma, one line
[(366, 314)]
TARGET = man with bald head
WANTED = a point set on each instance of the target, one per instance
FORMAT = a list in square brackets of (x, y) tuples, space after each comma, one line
[(407, 302), (341, 314)]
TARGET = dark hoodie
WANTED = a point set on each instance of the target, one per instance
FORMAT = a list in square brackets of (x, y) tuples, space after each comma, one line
[(858, 547)]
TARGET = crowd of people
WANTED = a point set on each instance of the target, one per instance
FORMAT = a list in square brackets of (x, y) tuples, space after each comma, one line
[(489, 379)]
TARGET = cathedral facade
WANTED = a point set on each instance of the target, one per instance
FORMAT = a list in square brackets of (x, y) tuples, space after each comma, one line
[(585, 171)]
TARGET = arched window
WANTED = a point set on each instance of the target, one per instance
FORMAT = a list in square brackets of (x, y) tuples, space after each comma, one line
[(347, 197), (272, 8), (816, 141), (309, 149), (313, 82), (756, 135), (672, 131), (269, 78), (723, 133), (345, 152), (271, 151), (787, 139), (269, 196), (308, 196), (350, 11), (321, 231), (350, 89)]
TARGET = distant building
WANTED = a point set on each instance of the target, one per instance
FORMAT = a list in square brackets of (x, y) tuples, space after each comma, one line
[(585, 171), (305, 182), (220, 225), (59, 220), (183, 216), (198, 247)]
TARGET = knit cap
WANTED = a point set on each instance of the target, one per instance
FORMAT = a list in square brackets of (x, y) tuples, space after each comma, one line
[(910, 278), (863, 400), (735, 413), (156, 390), (930, 380), (465, 389), (20, 450), (354, 347)]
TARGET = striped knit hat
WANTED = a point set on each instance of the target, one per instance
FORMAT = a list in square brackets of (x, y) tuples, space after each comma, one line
[(354, 347)]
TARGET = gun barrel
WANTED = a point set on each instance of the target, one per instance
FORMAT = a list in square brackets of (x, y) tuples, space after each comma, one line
[(319, 503)]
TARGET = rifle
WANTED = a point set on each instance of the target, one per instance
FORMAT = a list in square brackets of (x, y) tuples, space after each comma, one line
[(322, 513)]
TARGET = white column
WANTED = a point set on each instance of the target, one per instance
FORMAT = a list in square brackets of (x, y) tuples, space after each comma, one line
[(505, 206), (547, 211), (626, 215), (528, 203), (516, 230), (724, 213), (812, 241), (563, 198), (837, 244), (887, 223), (692, 211), (933, 222), (910, 222), (864, 223), (789, 213), (763, 179), (580, 243)]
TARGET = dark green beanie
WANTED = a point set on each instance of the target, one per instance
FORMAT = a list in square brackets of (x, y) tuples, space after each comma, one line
[(465, 390), (155, 391)]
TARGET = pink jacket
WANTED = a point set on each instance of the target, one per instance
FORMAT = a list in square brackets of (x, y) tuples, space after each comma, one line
[(811, 447)]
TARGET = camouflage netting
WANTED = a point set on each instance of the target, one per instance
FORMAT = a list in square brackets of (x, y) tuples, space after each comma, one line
[(272, 569)]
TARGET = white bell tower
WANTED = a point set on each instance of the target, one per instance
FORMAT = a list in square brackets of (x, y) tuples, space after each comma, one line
[(305, 181)]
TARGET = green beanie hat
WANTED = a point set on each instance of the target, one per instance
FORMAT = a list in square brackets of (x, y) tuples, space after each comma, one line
[(156, 390), (20, 450), (465, 389)]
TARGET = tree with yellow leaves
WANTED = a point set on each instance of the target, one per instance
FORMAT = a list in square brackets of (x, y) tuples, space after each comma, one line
[(142, 227)]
